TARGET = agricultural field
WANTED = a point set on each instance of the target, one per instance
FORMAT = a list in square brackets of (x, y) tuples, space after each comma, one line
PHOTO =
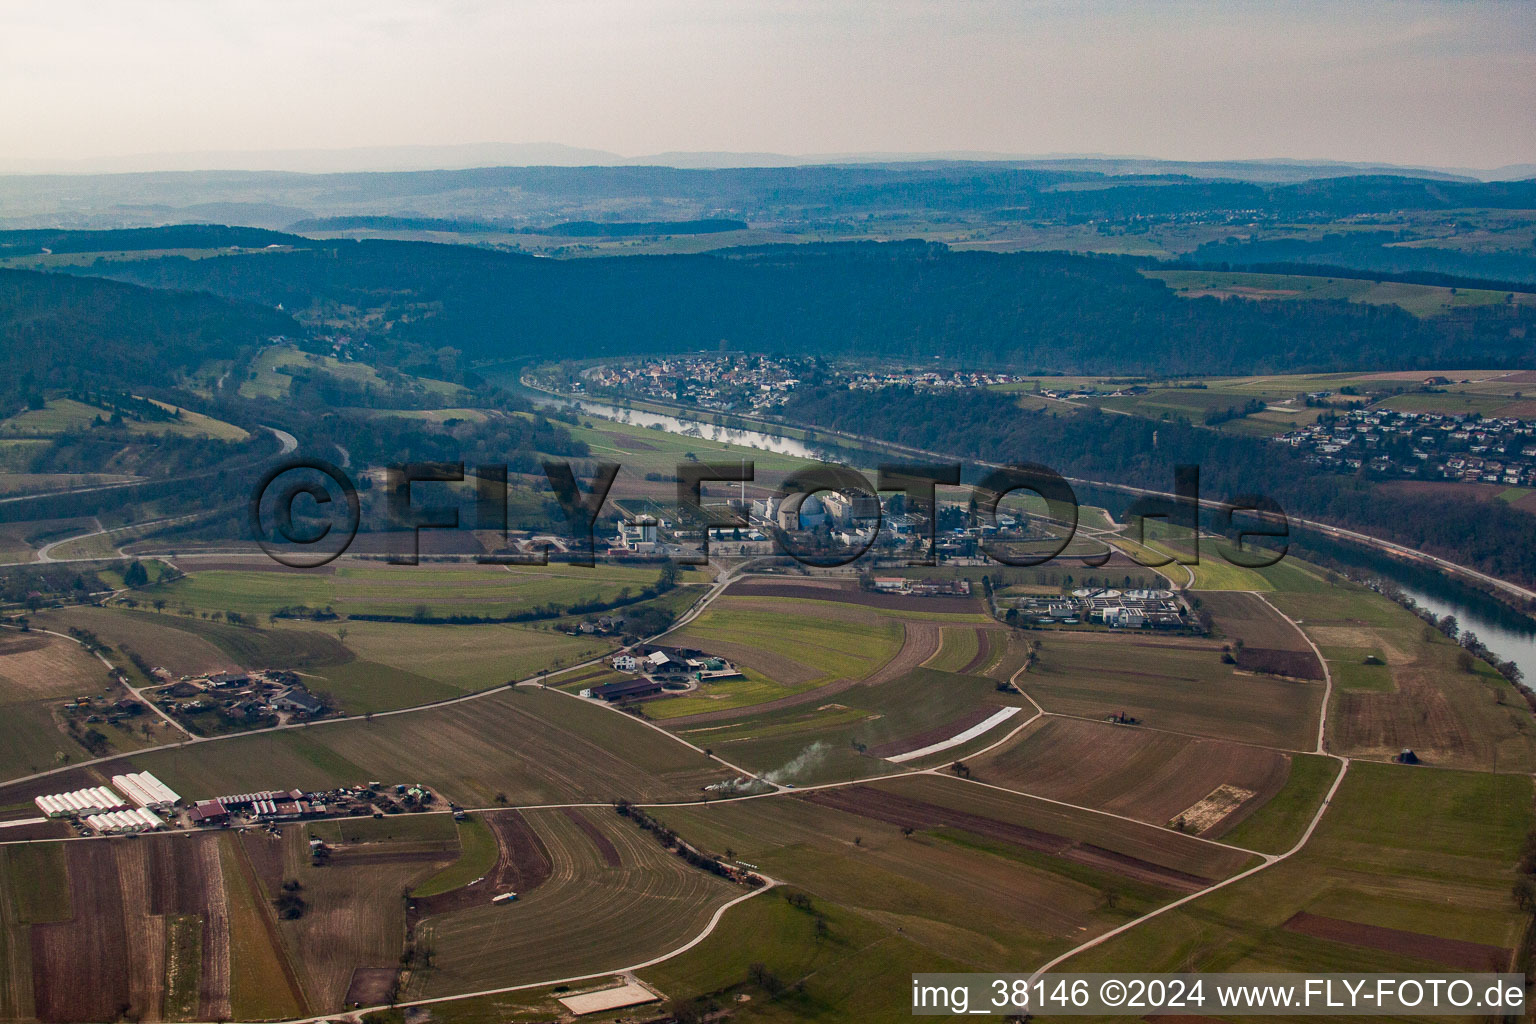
[(611, 896), (169, 641), (354, 917), (399, 664), (850, 735), (1155, 777), (145, 928), (1408, 871), (959, 648), (1421, 698), (1262, 640), (1418, 299), (527, 746), (37, 673), (1172, 685), (37, 665), (783, 641), (984, 877), (184, 645), (429, 590)]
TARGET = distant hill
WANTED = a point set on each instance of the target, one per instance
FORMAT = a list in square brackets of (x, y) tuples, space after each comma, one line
[(629, 229), (915, 301), (1069, 189), (183, 236), (387, 223)]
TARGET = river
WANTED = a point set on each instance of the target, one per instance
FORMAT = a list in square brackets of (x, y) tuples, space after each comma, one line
[(1506, 633), (686, 428)]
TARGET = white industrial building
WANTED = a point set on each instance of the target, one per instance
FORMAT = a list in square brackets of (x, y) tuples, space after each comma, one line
[(122, 822), (146, 791), (80, 802)]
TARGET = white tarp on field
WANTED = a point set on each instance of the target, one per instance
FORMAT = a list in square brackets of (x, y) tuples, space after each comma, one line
[(960, 737)]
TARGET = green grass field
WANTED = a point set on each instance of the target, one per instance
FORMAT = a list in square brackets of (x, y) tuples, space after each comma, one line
[(477, 855), (1422, 698), (64, 414), (958, 649), (379, 589), (1276, 826), (955, 896), (1424, 852), (266, 380), (833, 740), (781, 630), (721, 696)]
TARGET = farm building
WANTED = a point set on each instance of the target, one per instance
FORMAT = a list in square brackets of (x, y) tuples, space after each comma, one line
[(281, 810), (299, 700), (240, 801), (209, 812), (711, 669), (625, 663), (80, 803), (122, 822), (625, 690), (146, 791)]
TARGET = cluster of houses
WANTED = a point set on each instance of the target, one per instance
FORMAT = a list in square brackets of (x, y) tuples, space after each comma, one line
[(245, 698), (1421, 445), (1128, 609), (722, 383), (927, 380), (740, 383), (657, 669)]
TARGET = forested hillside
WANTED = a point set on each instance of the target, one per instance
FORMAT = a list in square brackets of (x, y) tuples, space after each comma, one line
[(1031, 311), (180, 236), (58, 331)]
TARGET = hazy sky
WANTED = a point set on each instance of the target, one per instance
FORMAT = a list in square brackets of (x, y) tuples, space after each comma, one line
[(1439, 82)]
